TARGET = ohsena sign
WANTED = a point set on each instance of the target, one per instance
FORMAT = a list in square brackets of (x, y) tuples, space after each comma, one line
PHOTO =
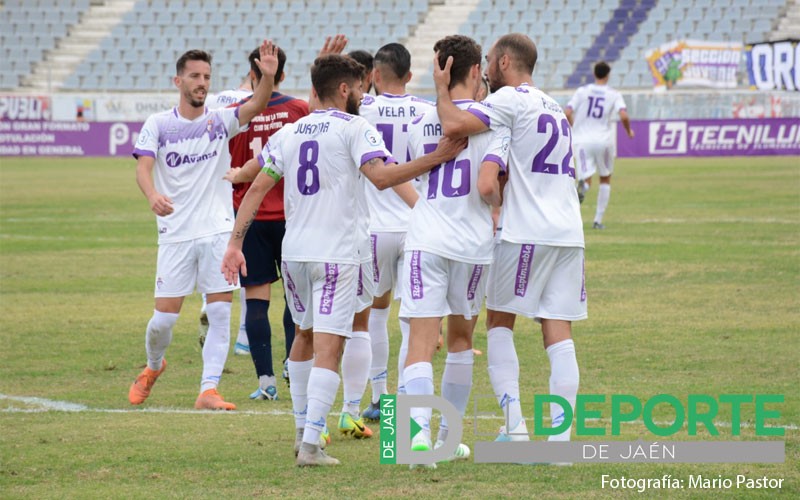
[(774, 65)]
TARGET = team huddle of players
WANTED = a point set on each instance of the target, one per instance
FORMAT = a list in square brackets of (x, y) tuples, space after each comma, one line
[(383, 196)]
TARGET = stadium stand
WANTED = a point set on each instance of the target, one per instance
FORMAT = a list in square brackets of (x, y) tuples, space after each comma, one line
[(132, 45)]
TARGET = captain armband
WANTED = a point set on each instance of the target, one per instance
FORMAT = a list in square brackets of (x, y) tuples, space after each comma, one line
[(275, 175)]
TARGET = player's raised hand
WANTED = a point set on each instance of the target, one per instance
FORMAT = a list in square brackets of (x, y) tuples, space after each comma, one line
[(268, 58), (333, 45), (160, 205), (232, 263), (441, 76)]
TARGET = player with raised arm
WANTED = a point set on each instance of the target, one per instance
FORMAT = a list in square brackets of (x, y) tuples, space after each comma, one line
[(390, 112), (180, 171), (590, 111), (262, 246), (448, 247), (537, 269), (321, 157)]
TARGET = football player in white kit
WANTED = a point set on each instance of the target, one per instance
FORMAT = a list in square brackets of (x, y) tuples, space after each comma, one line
[(390, 112), (591, 111), (448, 247), (181, 160), (321, 157), (537, 269)]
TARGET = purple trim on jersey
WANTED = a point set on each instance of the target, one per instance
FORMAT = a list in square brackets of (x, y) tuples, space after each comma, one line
[(463, 101), (329, 288), (498, 160), (376, 272), (142, 152), (480, 115), (298, 305), (373, 154), (477, 271), (395, 96), (418, 119), (420, 99), (390, 159), (210, 124), (340, 114), (367, 100), (523, 270), (263, 162), (417, 288), (583, 281), (360, 288)]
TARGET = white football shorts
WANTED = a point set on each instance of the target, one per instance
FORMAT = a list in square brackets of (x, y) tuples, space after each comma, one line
[(537, 281), (434, 286), (197, 263), (387, 261), (593, 157), (365, 290), (321, 295)]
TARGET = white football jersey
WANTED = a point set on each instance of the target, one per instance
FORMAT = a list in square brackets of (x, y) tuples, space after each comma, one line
[(319, 157), (391, 114), (191, 160), (540, 203), (451, 219), (594, 108), (227, 98)]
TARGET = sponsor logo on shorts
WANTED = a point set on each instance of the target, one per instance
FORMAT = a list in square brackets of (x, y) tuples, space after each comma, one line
[(523, 270), (298, 306), (376, 274), (329, 288), (477, 271), (416, 276)]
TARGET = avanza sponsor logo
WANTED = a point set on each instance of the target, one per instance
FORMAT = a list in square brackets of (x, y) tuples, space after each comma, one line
[(174, 159)]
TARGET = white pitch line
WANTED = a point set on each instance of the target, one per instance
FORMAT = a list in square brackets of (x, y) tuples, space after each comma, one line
[(45, 405)]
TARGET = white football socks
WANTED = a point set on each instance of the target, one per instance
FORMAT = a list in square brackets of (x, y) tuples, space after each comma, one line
[(405, 329), (504, 373), (379, 337), (158, 337), (419, 381), (603, 195), (241, 338), (299, 372), (564, 380), (456, 384), (323, 384), (356, 361), (218, 340)]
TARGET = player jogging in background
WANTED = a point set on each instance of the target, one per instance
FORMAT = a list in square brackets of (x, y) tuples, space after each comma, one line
[(591, 112), (262, 246), (389, 112), (448, 248), (180, 168), (322, 157), (537, 270)]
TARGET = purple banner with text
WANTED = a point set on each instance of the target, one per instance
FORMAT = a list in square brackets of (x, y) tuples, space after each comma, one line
[(46, 138), (734, 137)]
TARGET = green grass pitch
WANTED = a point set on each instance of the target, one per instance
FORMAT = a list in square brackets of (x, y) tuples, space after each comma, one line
[(693, 289)]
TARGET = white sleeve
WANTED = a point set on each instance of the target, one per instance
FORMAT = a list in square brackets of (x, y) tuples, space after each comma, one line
[(415, 146), (230, 117), (499, 148), (619, 103), (498, 110), (147, 143), (271, 155), (575, 100), (367, 144)]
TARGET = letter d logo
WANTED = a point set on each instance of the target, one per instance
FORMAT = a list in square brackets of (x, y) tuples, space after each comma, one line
[(404, 429)]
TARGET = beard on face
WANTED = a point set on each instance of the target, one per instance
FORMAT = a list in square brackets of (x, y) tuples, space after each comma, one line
[(195, 103), (352, 104)]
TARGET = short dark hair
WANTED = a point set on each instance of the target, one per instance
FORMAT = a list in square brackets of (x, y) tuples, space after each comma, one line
[(363, 57), (191, 55), (396, 57), (466, 53), (330, 70), (520, 48), (256, 56), (601, 70)]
